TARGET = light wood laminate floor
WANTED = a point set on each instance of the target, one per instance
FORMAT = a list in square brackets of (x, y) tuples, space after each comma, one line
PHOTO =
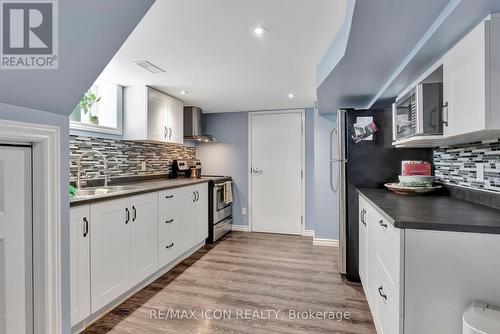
[(272, 275)]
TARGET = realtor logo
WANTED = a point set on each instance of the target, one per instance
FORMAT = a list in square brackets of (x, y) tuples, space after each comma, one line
[(28, 34)]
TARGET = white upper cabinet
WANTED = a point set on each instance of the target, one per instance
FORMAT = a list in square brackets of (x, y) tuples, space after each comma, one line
[(467, 69), (152, 115), (175, 120)]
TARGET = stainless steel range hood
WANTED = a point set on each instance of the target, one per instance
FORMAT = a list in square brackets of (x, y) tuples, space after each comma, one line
[(193, 126)]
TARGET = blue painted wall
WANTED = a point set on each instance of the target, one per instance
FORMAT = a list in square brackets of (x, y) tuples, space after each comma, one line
[(229, 156), (325, 207)]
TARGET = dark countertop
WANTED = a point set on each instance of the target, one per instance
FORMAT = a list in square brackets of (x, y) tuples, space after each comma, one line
[(433, 212), (140, 188)]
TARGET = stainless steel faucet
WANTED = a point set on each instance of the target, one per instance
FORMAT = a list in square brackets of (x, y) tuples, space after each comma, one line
[(108, 174), (79, 172)]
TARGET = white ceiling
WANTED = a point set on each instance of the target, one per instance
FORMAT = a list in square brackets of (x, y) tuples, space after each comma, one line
[(207, 48)]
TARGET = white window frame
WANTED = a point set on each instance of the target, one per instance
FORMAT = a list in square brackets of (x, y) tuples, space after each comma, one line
[(46, 150), (79, 126)]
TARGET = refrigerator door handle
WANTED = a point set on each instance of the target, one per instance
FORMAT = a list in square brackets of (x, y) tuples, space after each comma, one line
[(333, 134)]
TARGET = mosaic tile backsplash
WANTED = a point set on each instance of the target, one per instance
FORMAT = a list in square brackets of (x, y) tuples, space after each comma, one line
[(458, 165), (129, 154)]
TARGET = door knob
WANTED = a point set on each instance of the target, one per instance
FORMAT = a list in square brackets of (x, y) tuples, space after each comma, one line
[(257, 171)]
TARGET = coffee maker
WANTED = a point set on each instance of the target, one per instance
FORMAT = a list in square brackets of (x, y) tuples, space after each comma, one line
[(180, 168)]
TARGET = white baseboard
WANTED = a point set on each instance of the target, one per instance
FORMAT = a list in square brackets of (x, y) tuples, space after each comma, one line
[(326, 242), (308, 233), (241, 228)]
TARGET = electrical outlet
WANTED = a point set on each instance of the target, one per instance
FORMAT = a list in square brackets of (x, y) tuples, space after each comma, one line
[(480, 172), (243, 211), (143, 166)]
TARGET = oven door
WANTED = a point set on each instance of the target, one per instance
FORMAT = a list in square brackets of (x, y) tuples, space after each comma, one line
[(222, 209)]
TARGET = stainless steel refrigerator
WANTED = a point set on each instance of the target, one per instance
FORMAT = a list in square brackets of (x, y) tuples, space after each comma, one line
[(367, 164)]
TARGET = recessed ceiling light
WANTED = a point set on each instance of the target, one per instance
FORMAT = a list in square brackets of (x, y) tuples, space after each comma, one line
[(259, 31), (184, 92), (291, 96), (149, 66)]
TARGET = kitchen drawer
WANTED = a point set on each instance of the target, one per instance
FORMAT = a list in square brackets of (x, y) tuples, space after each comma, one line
[(168, 251), (388, 250), (168, 225), (170, 200), (386, 301)]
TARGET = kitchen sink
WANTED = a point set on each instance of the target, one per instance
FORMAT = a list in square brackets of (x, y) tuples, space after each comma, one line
[(94, 191)]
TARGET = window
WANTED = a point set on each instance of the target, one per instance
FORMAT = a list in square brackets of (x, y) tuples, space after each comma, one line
[(100, 109)]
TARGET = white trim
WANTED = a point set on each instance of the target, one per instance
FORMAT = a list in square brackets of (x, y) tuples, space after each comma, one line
[(303, 162), (325, 242), (241, 228), (46, 165), (308, 233)]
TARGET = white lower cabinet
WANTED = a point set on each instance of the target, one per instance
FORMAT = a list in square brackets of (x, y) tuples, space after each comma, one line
[(183, 225), (109, 251), (380, 267), (201, 212), (79, 263), (421, 281), (143, 236), (118, 244)]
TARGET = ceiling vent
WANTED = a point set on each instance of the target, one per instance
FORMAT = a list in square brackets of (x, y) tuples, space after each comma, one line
[(150, 67)]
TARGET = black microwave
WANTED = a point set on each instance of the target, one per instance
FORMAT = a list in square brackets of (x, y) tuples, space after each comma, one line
[(419, 112)]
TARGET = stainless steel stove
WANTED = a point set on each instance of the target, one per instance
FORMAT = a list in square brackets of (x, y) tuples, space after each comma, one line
[(220, 214)]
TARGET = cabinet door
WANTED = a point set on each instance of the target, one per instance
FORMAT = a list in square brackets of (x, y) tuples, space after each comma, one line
[(201, 212), (155, 113), (109, 251), (363, 230), (464, 84), (176, 121), (79, 263), (143, 236), (187, 228)]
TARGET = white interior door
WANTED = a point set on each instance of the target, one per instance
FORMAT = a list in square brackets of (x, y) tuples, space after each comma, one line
[(16, 289), (276, 161)]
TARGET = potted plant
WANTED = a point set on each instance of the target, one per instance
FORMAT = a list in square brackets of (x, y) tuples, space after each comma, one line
[(85, 108)]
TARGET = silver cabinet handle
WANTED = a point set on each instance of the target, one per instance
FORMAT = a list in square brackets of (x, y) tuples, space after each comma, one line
[(169, 221), (197, 196), (135, 213), (169, 246), (381, 293), (169, 196), (194, 196), (445, 113), (165, 132), (381, 223), (169, 133), (128, 215), (363, 212)]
